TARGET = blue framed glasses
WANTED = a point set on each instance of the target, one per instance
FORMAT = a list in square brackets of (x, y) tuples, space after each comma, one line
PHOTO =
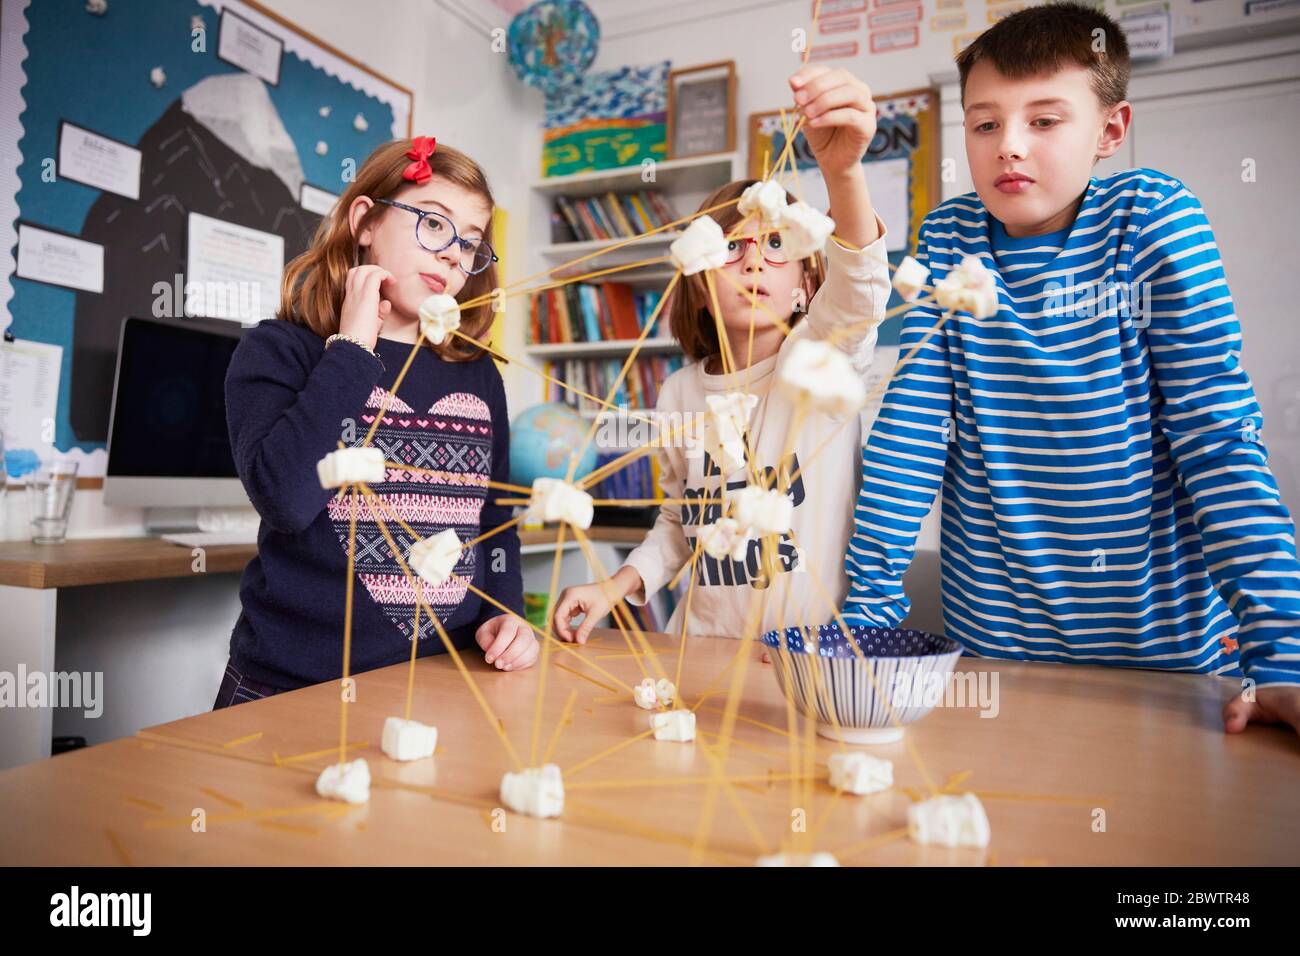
[(435, 232)]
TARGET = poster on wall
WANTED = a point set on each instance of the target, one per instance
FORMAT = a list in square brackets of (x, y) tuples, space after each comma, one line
[(231, 272), (608, 118), (250, 122)]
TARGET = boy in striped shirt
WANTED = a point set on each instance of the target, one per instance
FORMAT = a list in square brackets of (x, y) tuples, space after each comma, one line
[(1107, 497)]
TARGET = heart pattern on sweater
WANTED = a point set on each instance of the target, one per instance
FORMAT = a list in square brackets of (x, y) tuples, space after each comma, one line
[(448, 453)]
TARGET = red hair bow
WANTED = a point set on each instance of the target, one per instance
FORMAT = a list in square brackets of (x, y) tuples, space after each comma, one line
[(418, 170)]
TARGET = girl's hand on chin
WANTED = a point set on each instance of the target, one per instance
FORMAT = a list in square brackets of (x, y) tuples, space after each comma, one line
[(364, 307)]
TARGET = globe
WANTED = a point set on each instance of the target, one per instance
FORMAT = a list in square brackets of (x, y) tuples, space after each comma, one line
[(543, 439)]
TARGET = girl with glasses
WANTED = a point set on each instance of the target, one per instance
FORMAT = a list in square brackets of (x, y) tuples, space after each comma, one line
[(414, 221), (845, 295)]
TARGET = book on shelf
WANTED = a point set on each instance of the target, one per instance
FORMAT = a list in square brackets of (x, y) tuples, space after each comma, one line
[(611, 215), (585, 312), (636, 480), (638, 390), (639, 480)]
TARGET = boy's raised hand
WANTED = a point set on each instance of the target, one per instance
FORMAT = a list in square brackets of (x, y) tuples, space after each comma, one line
[(507, 642), (1272, 705), (840, 116)]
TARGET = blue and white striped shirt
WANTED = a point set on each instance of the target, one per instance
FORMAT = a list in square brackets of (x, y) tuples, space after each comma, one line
[(1107, 497)]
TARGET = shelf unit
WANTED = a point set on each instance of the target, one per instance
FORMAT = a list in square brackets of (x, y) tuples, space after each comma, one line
[(697, 174), (572, 250), (651, 346), (685, 182)]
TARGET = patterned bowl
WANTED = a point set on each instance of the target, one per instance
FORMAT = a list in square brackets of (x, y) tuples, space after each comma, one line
[(825, 675)]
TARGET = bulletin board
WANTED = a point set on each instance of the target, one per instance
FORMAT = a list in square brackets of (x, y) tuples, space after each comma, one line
[(149, 135), (901, 164)]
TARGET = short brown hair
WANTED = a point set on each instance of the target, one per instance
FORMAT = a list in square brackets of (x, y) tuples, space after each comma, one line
[(1044, 39), (311, 291), (688, 312)]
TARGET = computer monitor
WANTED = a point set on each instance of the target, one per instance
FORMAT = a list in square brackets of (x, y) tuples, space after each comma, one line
[(168, 446)]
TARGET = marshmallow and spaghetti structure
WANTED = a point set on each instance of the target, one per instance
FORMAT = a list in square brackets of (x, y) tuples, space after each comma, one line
[(815, 380)]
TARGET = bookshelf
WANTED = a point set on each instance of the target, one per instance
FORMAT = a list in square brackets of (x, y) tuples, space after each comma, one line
[(562, 251), (694, 174), (684, 183), (615, 347)]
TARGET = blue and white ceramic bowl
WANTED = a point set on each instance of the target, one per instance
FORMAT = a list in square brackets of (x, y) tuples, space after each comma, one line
[(860, 693)]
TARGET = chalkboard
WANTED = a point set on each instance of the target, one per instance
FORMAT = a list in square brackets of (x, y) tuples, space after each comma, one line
[(701, 110)]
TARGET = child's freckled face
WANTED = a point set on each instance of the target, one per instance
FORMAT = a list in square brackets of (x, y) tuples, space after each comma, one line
[(1031, 143), (418, 272)]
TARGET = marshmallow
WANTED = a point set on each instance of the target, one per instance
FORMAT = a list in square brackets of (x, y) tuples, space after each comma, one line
[(439, 316), (910, 278), (949, 821), (643, 694), (724, 428), (677, 725), (349, 782), (665, 691), (859, 773), (799, 859), (804, 230), (536, 791), (725, 538), (408, 739), (701, 246), (434, 558), (766, 198), (817, 373), (347, 466), (969, 288), (556, 500), (762, 510)]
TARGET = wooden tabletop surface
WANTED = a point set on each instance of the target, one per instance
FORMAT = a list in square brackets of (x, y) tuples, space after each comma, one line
[(1142, 753), (81, 561)]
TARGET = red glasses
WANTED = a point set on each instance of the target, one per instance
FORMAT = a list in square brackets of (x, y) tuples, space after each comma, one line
[(772, 252)]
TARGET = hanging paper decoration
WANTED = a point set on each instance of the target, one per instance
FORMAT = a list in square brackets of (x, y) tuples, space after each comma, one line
[(553, 42)]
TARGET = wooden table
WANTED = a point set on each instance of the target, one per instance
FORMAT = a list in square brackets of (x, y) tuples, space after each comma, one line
[(1068, 741), (32, 574), (81, 561)]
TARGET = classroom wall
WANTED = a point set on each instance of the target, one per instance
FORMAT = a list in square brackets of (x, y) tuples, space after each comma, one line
[(1201, 138), (465, 95), (163, 644), (757, 35)]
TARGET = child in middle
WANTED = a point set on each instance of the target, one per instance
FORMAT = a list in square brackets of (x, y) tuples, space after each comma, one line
[(840, 123)]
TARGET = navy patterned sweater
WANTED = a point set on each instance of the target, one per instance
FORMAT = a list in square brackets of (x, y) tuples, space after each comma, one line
[(289, 402)]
